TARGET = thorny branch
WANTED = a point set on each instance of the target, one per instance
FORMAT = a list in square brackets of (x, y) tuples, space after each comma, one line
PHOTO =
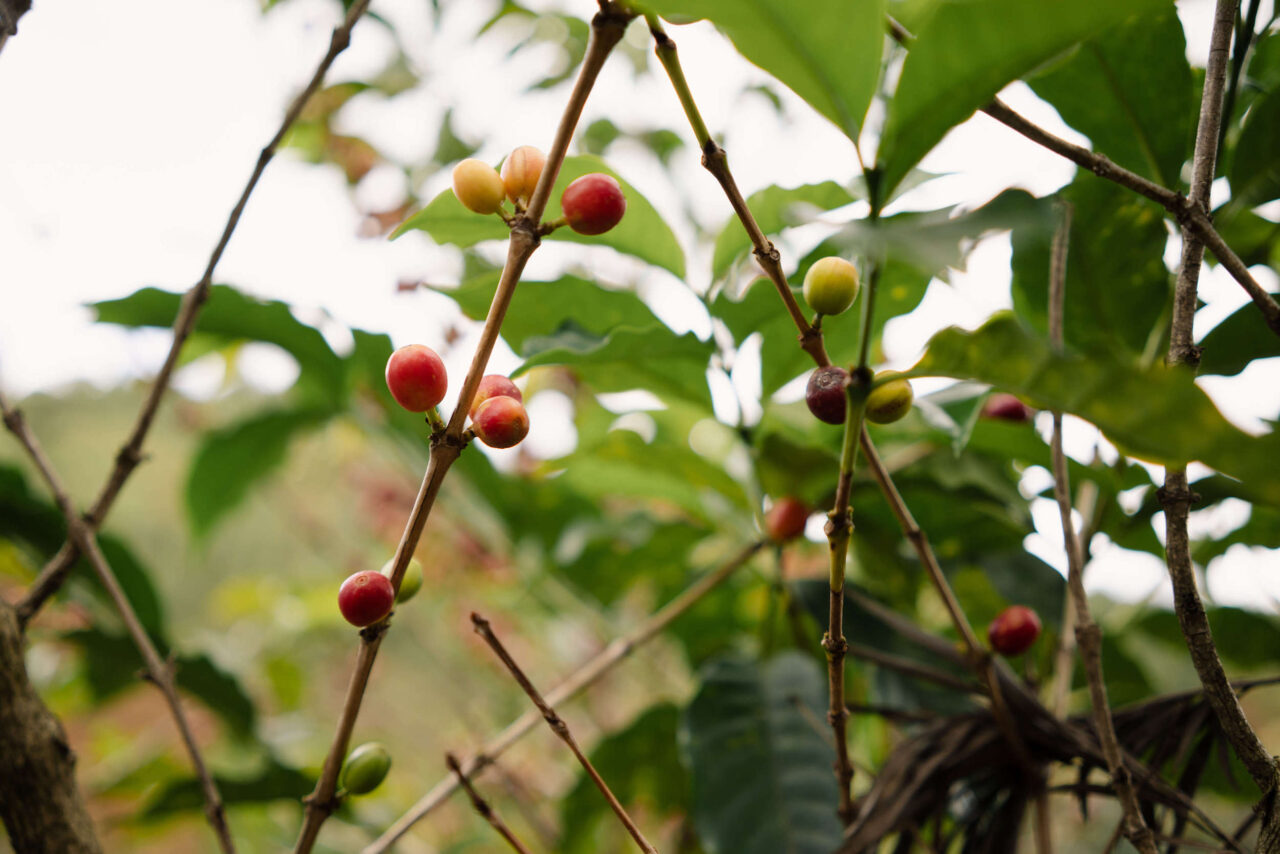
[(607, 29), (130, 454), (159, 672)]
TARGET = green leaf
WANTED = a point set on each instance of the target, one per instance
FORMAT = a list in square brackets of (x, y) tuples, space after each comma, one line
[(1129, 90), (652, 358), (1255, 171), (828, 51), (774, 208), (617, 553), (235, 316), (761, 769), (642, 765), (1243, 638), (1235, 342), (966, 52), (233, 460), (1156, 414), (538, 309), (642, 232), (932, 241), (1117, 287)]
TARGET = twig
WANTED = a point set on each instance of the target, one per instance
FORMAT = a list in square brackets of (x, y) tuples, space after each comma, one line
[(581, 679), (1064, 660), (1175, 496), (560, 728), (715, 161), (10, 12), (1088, 634), (482, 806), (159, 672), (913, 669), (130, 455), (607, 29)]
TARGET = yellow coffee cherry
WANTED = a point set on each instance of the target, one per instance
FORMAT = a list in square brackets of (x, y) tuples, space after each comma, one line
[(478, 186), (831, 285), (891, 400), (520, 173)]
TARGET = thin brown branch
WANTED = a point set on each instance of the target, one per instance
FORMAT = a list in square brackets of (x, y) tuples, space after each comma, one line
[(1064, 660), (10, 12), (130, 454), (715, 161), (1176, 496), (584, 677), (1088, 634), (560, 728), (40, 804), (607, 29), (482, 806), (159, 672)]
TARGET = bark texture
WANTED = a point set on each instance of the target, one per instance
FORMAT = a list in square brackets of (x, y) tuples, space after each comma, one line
[(39, 802)]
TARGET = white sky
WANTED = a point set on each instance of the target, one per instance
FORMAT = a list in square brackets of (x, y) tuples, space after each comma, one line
[(128, 137)]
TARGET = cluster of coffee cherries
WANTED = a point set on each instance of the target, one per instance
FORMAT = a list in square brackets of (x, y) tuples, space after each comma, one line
[(830, 287), (592, 204)]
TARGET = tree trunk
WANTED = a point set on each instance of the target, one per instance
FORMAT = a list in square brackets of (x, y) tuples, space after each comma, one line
[(39, 802)]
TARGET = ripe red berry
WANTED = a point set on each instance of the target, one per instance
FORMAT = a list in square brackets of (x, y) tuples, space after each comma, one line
[(593, 204), (1006, 407), (501, 422), (786, 519), (416, 377), (825, 394), (494, 385), (365, 598), (1014, 630)]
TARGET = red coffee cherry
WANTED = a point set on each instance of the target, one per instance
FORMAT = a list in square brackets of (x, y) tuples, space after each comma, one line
[(825, 394), (593, 204), (416, 377), (1014, 630), (786, 519), (494, 385), (365, 598), (1006, 407), (501, 422)]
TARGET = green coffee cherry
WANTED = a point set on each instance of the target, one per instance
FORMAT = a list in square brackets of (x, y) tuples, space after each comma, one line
[(365, 769), (831, 285), (891, 400), (412, 581)]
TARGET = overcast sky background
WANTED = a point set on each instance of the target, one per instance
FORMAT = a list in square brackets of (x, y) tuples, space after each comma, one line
[(128, 134)]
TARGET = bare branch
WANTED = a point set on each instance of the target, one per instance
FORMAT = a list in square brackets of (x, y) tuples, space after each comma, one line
[(1088, 635), (1176, 496), (130, 454), (482, 806), (560, 728), (159, 672), (581, 679)]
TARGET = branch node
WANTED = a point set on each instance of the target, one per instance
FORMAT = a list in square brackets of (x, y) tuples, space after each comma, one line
[(1168, 495)]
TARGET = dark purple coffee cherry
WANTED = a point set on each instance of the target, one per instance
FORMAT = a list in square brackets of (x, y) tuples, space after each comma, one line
[(825, 394)]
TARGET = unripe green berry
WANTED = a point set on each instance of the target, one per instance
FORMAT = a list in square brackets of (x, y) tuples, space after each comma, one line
[(891, 400), (412, 581), (478, 186), (831, 285), (365, 769)]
